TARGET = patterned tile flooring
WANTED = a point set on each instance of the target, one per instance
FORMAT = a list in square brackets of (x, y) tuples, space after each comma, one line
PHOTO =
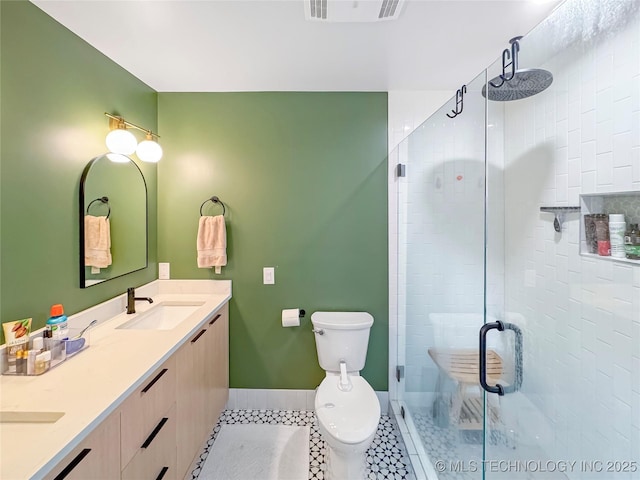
[(386, 458)]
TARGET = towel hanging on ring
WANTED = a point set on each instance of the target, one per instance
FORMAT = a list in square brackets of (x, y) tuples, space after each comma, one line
[(211, 243)]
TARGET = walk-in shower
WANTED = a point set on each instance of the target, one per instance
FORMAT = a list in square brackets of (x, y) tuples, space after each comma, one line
[(560, 326)]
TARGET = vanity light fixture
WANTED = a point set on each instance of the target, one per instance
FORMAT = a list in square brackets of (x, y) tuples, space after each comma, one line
[(121, 141), (149, 150)]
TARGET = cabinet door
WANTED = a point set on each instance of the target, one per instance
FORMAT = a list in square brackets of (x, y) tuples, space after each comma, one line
[(97, 457), (190, 399), (143, 409), (217, 366), (156, 458)]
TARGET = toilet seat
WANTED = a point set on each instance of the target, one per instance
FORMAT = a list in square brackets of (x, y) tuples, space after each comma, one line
[(350, 417)]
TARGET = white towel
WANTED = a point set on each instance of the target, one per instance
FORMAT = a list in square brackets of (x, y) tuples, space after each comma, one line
[(97, 242), (212, 242)]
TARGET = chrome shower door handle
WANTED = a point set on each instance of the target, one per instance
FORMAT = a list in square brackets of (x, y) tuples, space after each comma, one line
[(501, 327)]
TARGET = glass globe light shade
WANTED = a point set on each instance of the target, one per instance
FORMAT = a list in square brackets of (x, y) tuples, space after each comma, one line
[(117, 157), (149, 151), (121, 141)]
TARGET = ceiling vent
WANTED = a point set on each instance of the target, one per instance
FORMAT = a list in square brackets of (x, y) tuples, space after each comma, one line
[(352, 10)]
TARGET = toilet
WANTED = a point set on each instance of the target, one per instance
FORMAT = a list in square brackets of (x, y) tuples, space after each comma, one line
[(346, 406)]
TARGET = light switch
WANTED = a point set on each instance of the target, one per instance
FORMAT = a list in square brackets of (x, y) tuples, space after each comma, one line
[(268, 276), (163, 271)]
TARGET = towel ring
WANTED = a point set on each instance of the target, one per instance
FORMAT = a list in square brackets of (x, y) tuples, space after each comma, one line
[(214, 199), (104, 200)]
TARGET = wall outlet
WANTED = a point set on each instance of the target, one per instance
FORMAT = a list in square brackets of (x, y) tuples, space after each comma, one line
[(164, 271), (268, 276)]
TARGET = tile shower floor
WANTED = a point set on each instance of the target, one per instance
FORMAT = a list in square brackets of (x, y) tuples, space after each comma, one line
[(386, 458), (450, 445)]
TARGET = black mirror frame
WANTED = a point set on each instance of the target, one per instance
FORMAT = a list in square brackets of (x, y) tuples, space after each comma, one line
[(81, 206)]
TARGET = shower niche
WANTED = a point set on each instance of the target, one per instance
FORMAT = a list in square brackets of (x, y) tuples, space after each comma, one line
[(594, 224)]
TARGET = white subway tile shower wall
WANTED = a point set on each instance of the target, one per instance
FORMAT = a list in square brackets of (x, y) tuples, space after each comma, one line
[(580, 316)]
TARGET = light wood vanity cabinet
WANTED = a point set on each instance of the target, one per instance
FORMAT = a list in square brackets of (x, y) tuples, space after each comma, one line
[(202, 386), (190, 401), (157, 460), (148, 426), (96, 458), (217, 355), (159, 429)]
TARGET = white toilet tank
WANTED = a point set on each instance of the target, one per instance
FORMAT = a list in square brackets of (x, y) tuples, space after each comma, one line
[(345, 337)]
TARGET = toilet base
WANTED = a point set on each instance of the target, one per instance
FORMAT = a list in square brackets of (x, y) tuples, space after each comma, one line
[(344, 467)]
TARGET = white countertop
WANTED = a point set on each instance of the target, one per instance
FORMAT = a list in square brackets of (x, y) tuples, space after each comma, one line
[(91, 385)]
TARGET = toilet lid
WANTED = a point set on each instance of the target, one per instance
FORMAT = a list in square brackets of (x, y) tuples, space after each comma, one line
[(351, 417)]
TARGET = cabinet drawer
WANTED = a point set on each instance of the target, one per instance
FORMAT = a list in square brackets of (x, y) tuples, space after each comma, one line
[(144, 408), (97, 456), (157, 460)]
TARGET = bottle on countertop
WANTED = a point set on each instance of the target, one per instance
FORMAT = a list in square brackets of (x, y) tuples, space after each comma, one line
[(38, 344), (617, 228), (21, 362), (57, 325), (31, 361)]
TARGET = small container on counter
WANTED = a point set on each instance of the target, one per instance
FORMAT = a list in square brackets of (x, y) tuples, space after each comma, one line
[(37, 344), (31, 361), (20, 363), (43, 362)]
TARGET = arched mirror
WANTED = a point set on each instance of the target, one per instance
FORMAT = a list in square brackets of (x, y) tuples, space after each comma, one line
[(113, 219)]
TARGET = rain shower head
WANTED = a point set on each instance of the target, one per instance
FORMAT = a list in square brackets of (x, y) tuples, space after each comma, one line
[(525, 83), (514, 84)]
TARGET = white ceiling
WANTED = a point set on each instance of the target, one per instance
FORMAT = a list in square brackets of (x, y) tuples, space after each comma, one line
[(267, 45)]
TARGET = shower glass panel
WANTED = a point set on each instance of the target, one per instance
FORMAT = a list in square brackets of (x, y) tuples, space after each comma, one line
[(441, 286), (576, 415)]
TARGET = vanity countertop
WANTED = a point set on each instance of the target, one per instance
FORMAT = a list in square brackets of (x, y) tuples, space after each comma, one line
[(91, 385)]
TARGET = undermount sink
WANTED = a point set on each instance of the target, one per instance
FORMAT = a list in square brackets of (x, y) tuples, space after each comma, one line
[(30, 417), (163, 316)]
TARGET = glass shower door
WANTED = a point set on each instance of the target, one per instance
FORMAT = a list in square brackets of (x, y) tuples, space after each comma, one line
[(576, 413), (441, 286)]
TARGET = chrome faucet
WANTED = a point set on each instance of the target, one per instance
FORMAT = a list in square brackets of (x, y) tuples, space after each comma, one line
[(131, 300)]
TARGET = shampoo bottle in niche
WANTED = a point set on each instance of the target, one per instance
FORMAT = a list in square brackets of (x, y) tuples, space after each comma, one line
[(617, 227), (58, 328), (601, 221), (632, 242)]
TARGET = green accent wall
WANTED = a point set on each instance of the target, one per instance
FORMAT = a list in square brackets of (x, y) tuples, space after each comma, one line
[(54, 90), (304, 178)]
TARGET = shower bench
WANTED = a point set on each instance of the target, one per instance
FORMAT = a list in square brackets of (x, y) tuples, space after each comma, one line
[(462, 366)]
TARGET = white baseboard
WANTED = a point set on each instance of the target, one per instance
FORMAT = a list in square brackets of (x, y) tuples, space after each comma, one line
[(280, 399)]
